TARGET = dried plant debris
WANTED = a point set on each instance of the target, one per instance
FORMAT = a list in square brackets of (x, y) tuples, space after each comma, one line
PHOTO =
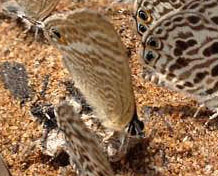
[(62, 159), (52, 143), (15, 78), (44, 113), (45, 84)]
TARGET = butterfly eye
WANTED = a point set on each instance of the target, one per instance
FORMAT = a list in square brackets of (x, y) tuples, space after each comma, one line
[(149, 56), (143, 15), (142, 28), (153, 42), (55, 33)]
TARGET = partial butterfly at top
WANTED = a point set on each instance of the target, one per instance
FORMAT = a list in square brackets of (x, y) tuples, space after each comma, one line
[(182, 48), (148, 12), (31, 12)]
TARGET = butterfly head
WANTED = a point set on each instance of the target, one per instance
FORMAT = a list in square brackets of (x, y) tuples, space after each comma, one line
[(54, 35)]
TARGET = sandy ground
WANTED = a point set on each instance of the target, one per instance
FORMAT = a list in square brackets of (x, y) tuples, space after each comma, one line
[(176, 143)]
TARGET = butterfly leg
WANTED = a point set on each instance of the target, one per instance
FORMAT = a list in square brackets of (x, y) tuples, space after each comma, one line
[(28, 25), (122, 141), (126, 142), (150, 75), (135, 127), (36, 33), (215, 115), (118, 146), (110, 136), (198, 110)]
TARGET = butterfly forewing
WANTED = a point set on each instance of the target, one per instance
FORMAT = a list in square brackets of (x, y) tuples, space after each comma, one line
[(96, 58), (83, 148), (183, 49), (38, 9), (32, 13)]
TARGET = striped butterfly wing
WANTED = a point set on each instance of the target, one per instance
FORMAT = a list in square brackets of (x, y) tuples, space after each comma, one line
[(32, 11), (83, 148), (38, 9), (183, 49), (96, 58)]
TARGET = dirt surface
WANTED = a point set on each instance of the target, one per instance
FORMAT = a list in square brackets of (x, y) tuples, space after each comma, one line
[(176, 143)]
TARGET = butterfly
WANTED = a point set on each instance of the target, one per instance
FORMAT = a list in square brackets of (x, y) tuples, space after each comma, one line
[(182, 48), (96, 59), (83, 148)]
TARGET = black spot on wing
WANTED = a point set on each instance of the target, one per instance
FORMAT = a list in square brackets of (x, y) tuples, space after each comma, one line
[(212, 49), (180, 87), (215, 19), (193, 19), (200, 76), (188, 84), (213, 90), (214, 71)]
